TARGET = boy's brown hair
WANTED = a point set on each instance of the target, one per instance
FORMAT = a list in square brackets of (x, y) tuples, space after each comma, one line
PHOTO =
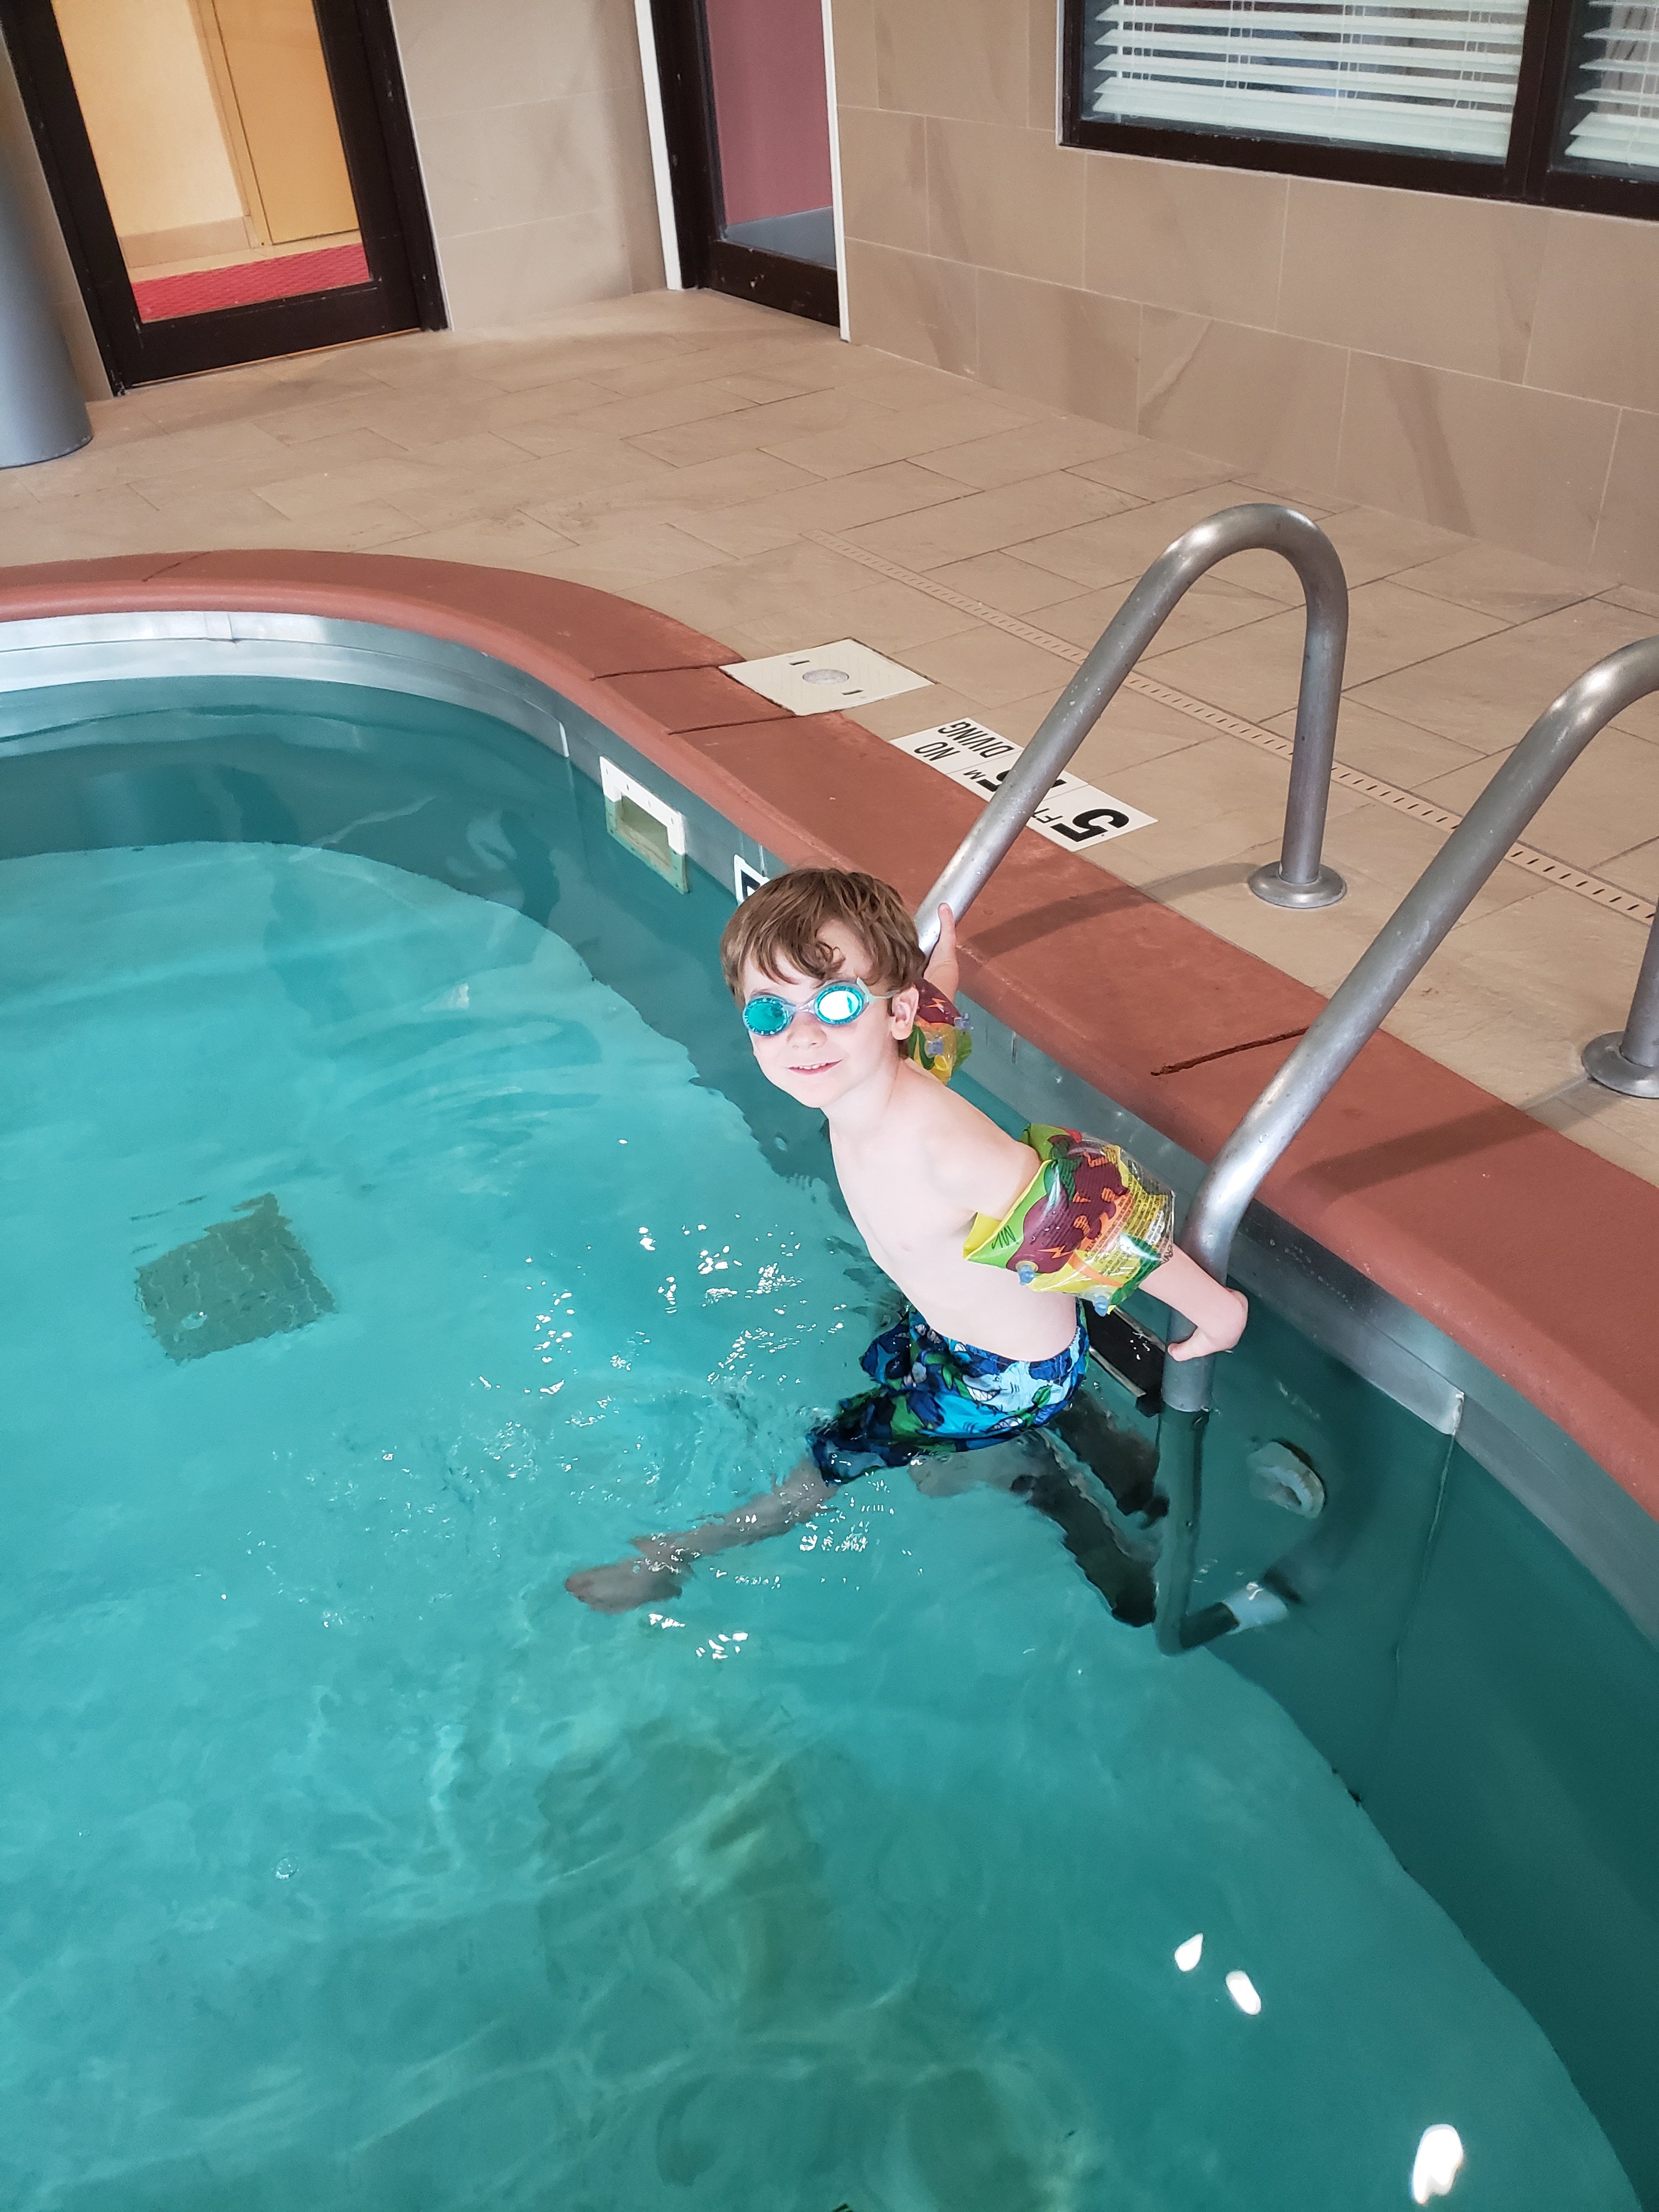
[(782, 922)]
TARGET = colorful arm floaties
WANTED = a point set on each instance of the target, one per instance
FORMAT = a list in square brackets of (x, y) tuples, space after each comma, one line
[(939, 1043), (1090, 1222)]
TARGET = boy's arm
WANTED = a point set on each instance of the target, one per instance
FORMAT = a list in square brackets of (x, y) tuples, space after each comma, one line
[(1217, 1313)]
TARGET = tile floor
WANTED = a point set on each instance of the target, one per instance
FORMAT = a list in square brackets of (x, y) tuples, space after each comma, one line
[(696, 453)]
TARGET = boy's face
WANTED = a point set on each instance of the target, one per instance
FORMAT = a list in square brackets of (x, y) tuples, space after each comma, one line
[(820, 1062)]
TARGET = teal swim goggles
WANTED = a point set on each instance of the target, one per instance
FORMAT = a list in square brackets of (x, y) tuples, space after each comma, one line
[(836, 1004)]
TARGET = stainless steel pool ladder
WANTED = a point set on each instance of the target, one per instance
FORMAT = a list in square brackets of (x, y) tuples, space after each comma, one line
[(1628, 1062), (1298, 876)]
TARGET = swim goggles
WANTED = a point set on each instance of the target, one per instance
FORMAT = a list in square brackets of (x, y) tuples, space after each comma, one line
[(836, 1004)]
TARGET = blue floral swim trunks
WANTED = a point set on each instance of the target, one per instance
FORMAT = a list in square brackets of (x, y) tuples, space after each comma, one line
[(934, 1394)]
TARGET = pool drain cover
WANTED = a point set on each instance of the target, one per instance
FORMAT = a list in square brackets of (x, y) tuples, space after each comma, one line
[(239, 1280)]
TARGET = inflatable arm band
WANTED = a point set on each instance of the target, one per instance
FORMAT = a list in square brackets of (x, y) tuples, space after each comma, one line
[(1089, 1222), (939, 1043)]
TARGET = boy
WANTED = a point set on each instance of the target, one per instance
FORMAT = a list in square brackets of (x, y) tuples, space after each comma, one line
[(826, 965)]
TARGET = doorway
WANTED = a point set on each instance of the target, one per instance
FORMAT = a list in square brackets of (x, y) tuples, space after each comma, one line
[(236, 179), (746, 116)]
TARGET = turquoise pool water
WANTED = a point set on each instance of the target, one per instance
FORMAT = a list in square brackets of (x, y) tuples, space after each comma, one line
[(349, 1863)]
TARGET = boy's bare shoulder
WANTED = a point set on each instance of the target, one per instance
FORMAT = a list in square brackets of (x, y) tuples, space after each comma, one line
[(960, 1149)]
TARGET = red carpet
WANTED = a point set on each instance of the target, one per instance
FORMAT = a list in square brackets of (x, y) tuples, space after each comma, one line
[(203, 289)]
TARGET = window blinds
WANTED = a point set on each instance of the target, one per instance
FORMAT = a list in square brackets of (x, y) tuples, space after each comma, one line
[(1435, 76), (1614, 96)]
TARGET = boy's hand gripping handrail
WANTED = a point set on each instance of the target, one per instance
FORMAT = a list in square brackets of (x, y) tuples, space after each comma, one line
[(1298, 879), (1361, 1005)]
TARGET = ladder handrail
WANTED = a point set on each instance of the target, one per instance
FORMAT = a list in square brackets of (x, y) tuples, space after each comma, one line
[(1298, 879), (1358, 1010)]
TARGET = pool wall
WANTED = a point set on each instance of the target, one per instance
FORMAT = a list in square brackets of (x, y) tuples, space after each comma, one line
[(1488, 1692)]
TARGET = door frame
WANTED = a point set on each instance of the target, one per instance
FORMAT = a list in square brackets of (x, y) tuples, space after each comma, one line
[(706, 261), (403, 291)]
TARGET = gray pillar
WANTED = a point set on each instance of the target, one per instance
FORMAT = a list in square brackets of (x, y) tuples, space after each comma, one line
[(42, 413)]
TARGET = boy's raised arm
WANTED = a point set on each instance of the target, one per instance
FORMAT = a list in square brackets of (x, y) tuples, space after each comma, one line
[(1217, 1313)]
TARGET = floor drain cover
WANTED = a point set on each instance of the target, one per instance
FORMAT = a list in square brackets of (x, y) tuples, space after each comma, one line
[(239, 1280)]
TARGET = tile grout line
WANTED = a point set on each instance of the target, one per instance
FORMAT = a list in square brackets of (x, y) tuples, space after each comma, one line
[(1536, 863)]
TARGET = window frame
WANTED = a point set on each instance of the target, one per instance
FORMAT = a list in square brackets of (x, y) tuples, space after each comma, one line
[(1528, 173)]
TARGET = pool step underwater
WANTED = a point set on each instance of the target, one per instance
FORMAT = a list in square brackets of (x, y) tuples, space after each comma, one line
[(239, 1281)]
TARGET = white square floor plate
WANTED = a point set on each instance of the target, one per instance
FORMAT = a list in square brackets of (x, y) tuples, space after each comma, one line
[(829, 677)]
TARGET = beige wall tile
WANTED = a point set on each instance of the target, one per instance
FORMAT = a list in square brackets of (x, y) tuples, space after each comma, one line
[(1179, 235), (1596, 330), (1627, 543), (911, 304), (1259, 399), (884, 177), (1005, 199), (495, 53), (1523, 469), (964, 57), (486, 168), (1067, 348), (1042, 109), (493, 276), (854, 32), (1414, 275)]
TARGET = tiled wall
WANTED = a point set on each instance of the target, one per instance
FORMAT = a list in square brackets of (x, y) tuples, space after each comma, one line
[(530, 119), (1492, 368)]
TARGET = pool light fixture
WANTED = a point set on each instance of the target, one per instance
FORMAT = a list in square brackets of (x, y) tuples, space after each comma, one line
[(1188, 1954), (1438, 2162), (843, 674), (1243, 1991)]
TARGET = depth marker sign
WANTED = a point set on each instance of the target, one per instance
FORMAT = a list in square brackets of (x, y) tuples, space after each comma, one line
[(1074, 814)]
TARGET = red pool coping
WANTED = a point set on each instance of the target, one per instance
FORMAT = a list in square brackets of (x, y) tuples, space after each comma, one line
[(1463, 1208)]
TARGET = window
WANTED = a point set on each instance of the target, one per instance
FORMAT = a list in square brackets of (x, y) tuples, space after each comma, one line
[(1555, 100)]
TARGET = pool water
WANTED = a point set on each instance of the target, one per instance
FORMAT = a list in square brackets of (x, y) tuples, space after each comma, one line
[(349, 1863)]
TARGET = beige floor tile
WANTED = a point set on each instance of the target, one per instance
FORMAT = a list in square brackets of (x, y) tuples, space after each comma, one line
[(767, 427), (1001, 580), (1151, 471), (511, 541), (1257, 670), (1511, 586), (1561, 969), (1381, 745), (989, 522), (846, 503), (896, 619), (1487, 695), (1212, 606), (989, 665), (898, 384), (1121, 547), (1373, 544), (734, 530), (1637, 870), (646, 549), (1607, 801), (1035, 449), (1641, 603), (901, 436), (1622, 1130)]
